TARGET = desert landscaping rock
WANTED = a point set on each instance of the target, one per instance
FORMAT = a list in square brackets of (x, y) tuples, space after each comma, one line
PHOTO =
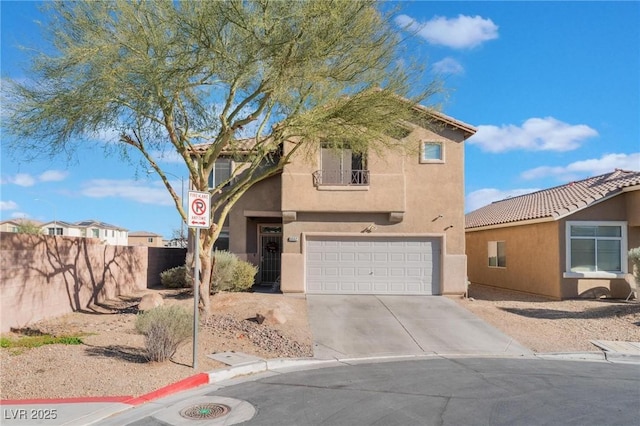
[(150, 301)]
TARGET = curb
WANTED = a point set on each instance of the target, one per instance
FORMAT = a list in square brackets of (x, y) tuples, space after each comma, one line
[(185, 384)]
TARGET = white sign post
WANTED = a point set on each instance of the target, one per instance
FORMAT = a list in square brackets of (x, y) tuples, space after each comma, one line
[(199, 212)]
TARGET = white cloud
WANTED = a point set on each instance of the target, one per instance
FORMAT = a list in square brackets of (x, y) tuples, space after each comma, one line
[(458, 33), (485, 196), (448, 66), (167, 156), (53, 176), (8, 205), (23, 179), (127, 189), (535, 134), (586, 168)]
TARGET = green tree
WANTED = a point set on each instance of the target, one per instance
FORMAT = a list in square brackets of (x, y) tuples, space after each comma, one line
[(26, 227), (195, 77)]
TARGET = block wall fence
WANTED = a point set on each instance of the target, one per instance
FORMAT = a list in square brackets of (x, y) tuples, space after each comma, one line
[(44, 276)]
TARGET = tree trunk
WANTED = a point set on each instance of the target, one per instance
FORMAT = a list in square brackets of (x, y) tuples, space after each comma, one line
[(206, 267)]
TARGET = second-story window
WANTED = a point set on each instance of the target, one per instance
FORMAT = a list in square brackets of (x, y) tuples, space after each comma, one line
[(342, 167), (220, 173), (432, 152)]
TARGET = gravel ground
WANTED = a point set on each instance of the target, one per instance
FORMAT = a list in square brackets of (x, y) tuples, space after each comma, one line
[(112, 362), (545, 325)]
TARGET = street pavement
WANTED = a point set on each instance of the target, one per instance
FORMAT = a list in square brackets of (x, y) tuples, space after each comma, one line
[(425, 391)]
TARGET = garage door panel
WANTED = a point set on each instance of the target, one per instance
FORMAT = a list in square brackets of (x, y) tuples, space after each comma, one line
[(372, 265)]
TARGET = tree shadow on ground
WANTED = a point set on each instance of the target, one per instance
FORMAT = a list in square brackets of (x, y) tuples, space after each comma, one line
[(593, 313), (123, 353)]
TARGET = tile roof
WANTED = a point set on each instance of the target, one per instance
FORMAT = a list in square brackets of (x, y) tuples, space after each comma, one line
[(553, 202), (143, 234)]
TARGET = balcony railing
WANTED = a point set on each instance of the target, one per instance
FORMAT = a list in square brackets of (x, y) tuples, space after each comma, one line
[(341, 177)]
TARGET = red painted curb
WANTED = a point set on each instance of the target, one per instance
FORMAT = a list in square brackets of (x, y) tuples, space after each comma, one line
[(185, 384), (66, 400), (188, 383)]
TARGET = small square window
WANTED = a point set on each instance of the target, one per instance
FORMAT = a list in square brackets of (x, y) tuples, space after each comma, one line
[(432, 152)]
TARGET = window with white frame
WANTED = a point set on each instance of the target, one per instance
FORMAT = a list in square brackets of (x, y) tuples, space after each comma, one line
[(496, 254), (221, 172), (95, 233), (432, 152), (596, 247)]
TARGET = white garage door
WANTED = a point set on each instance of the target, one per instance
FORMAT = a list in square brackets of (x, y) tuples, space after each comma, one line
[(372, 265)]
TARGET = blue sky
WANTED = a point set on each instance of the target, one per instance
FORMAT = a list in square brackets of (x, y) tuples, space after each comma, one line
[(553, 88)]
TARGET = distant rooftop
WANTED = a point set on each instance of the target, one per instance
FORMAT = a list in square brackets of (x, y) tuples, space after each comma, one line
[(553, 202)]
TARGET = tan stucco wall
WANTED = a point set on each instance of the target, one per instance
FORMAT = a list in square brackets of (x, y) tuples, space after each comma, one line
[(260, 204), (45, 276), (429, 197), (532, 259)]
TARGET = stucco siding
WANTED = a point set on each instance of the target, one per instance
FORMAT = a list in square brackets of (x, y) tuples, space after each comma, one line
[(532, 259)]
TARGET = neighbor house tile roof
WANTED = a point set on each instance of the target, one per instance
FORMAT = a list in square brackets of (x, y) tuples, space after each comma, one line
[(553, 202)]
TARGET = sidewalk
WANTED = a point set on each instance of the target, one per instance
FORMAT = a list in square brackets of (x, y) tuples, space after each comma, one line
[(168, 401)]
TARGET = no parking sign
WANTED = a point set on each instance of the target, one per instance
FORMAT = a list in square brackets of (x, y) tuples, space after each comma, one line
[(199, 206)]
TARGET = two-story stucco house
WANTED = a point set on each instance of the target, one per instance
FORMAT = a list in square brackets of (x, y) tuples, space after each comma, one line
[(343, 223)]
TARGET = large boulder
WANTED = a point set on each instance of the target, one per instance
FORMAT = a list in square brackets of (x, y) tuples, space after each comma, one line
[(275, 316), (150, 301)]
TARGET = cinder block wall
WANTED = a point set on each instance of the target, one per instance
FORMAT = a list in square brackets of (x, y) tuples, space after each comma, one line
[(161, 259), (45, 276)]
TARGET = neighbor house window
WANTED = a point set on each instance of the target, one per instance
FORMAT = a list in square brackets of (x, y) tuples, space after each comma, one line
[(341, 167), (596, 247), (54, 231), (221, 172), (96, 233), (150, 239), (497, 255), (432, 152)]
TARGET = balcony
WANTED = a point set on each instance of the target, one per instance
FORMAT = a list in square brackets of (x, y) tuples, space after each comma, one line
[(341, 178)]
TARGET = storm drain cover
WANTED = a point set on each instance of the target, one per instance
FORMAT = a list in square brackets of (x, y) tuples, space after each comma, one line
[(205, 411)]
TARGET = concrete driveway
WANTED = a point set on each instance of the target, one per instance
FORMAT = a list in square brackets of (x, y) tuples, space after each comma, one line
[(352, 326)]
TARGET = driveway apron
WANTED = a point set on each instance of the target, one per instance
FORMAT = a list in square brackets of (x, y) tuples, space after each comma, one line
[(351, 326)]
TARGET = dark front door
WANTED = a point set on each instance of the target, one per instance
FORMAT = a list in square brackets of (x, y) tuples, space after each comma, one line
[(270, 253)]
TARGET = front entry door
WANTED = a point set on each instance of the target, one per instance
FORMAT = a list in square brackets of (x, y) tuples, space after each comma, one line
[(270, 253)]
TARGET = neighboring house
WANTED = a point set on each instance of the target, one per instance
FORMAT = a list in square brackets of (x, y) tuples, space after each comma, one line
[(13, 225), (360, 224), (144, 238), (108, 234), (563, 242)]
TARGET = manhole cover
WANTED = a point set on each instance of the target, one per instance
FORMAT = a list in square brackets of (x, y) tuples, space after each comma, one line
[(205, 411)]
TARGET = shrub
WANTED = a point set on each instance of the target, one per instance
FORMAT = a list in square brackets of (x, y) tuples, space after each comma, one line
[(634, 256), (165, 328), (243, 275), (230, 273), (175, 277)]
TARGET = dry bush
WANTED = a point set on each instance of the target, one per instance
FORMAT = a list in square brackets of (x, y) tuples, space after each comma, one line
[(165, 328)]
